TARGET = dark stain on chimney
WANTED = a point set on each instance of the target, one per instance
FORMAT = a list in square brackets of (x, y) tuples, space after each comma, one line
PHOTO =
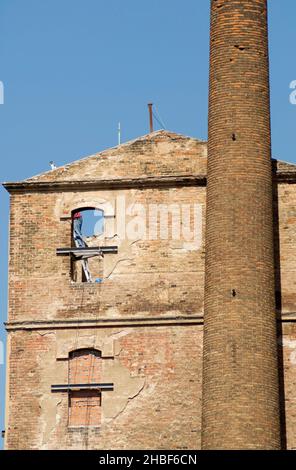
[(241, 48)]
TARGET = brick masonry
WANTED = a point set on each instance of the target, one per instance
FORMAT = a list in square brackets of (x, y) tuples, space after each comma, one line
[(146, 318), (84, 406), (240, 367)]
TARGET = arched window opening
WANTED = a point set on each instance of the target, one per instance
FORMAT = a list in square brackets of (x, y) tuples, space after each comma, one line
[(90, 225), (87, 232), (89, 245)]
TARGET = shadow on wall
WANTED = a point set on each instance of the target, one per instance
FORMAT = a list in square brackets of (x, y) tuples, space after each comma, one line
[(278, 299)]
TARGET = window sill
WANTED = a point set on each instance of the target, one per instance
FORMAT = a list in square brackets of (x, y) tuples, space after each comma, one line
[(82, 428)]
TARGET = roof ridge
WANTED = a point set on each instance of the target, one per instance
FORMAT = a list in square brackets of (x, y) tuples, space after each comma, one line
[(129, 142)]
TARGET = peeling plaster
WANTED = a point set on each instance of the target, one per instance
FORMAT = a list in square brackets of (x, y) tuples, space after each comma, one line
[(47, 333), (125, 388), (96, 339), (129, 400), (50, 418), (66, 204)]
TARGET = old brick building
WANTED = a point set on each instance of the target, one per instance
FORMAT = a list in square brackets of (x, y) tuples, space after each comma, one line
[(144, 321), (186, 336)]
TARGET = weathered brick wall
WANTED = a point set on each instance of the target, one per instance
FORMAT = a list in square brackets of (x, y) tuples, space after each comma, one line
[(156, 386), (285, 231), (162, 411), (146, 319), (287, 342), (172, 269), (285, 261)]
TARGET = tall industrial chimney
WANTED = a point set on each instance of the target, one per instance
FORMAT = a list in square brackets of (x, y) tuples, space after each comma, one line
[(240, 368)]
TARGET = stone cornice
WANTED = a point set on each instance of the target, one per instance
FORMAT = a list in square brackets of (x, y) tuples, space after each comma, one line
[(286, 177), (196, 319), (103, 322), (122, 183), (125, 183)]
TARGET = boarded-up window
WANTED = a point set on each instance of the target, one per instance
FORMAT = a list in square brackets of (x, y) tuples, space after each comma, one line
[(85, 367)]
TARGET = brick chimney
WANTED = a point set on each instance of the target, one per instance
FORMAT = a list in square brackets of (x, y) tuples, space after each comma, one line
[(240, 367)]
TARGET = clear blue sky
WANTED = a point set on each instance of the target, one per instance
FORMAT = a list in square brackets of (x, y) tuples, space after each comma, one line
[(72, 69)]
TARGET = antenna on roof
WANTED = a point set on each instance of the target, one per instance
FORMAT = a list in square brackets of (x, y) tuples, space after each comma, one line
[(119, 133), (52, 165), (150, 116)]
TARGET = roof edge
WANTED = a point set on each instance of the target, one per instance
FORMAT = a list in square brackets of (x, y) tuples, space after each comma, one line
[(119, 183), (122, 145)]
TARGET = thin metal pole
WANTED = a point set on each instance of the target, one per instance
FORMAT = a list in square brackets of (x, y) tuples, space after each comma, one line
[(150, 116)]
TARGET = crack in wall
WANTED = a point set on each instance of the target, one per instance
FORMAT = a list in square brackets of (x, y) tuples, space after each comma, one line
[(129, 400)]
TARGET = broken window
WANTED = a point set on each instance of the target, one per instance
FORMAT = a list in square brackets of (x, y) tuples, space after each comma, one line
[(88, 246), (87, 232), (85, 367)]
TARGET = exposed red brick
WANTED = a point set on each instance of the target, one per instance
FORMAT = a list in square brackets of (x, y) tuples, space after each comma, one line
[(240, 373)]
